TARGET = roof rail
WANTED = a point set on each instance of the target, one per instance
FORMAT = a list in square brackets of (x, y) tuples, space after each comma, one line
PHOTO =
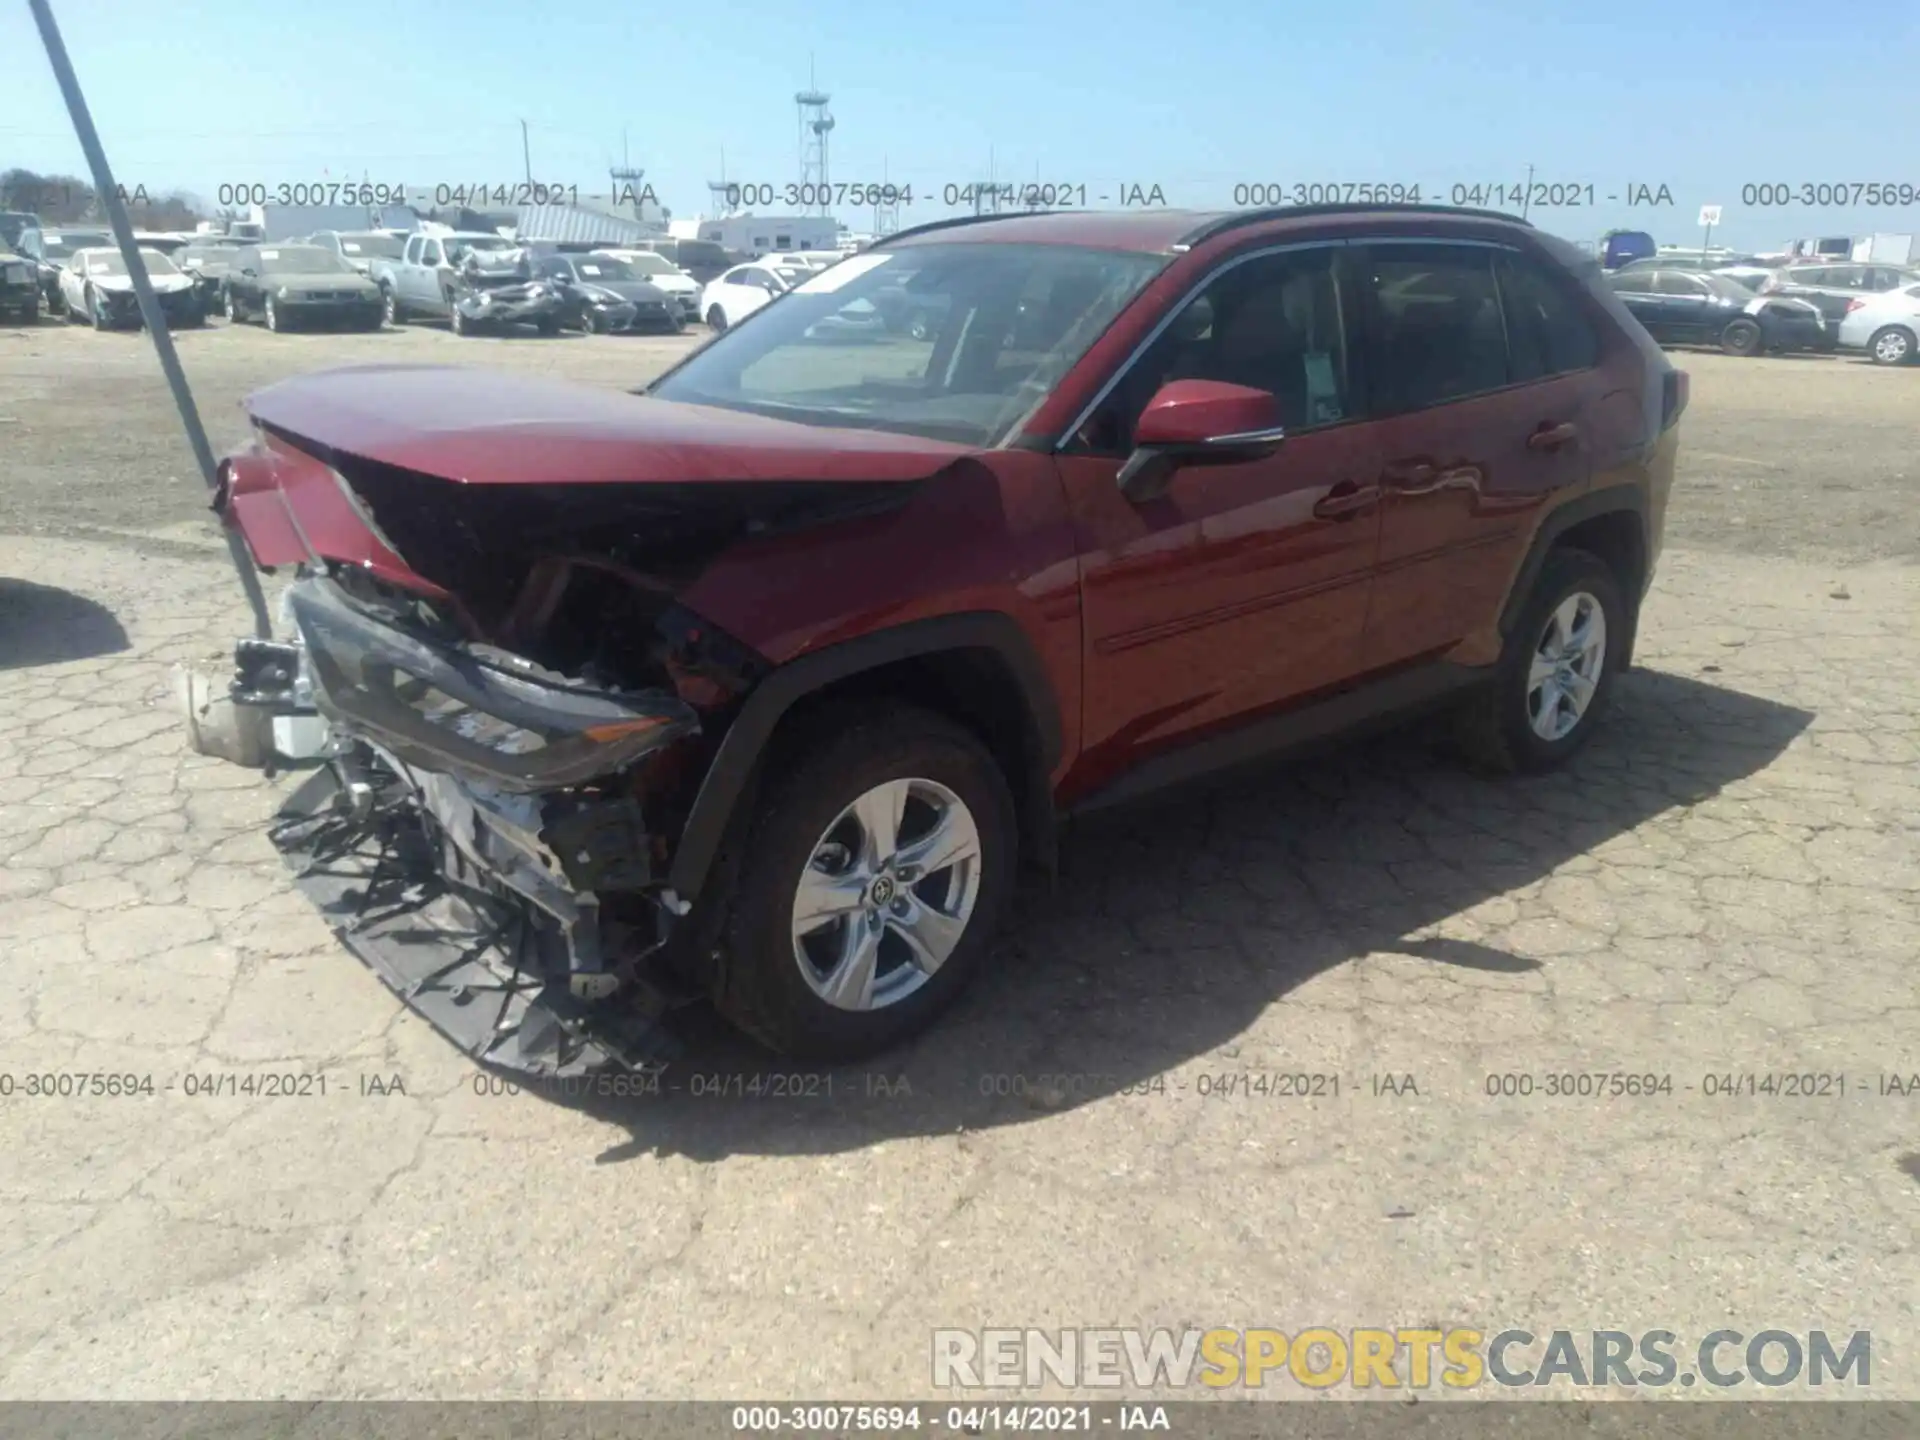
[(1223, 223), (953, 220)]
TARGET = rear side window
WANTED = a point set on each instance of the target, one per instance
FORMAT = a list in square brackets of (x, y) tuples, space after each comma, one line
[(1438, 334), (1676, 282), (1547, 332)]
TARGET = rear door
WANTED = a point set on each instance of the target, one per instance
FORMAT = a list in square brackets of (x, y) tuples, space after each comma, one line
[(1482, 361), (1636, 289), (1686, 306)]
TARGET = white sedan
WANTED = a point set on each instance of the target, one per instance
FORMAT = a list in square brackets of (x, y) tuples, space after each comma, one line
[(1886, 326), (98, 290), (732, 297)]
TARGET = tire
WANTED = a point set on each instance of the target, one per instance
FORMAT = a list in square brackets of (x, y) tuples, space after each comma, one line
[(234, 313), (271, 314), (1892, 345), (716, 319), (548, 326), (1496, 729), (918, 328), (390, 313), (762, 987), (457, 322), (589, 325), (94, 311), (1742, 337)]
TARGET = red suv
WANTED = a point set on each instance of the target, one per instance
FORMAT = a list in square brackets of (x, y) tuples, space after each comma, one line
[(761, 684)]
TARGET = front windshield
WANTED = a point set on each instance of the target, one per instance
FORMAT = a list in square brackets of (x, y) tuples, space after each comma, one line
[(302, 260), (459, 247), (603, 267), (949, 341), (209, 257), (108, 262), (645, 264), (62, 246), (386, 247)]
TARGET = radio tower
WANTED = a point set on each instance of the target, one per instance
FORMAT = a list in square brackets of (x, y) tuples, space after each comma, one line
[(626, 178), (886, 213), (816, 128)]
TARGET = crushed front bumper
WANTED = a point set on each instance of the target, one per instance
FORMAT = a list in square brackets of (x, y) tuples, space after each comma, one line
[(470, 820)]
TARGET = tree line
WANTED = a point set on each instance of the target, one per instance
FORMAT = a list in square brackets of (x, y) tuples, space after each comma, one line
[(69, 200)]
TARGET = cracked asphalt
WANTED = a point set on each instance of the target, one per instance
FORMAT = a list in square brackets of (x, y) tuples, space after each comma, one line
[(1726, 885)]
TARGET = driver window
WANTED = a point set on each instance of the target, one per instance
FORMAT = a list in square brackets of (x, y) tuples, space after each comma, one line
[(414, 246), (430, 253), (1274, 323)]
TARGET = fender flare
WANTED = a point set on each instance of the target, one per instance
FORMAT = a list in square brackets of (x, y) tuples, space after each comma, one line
[(737, 759), (1613, 499)]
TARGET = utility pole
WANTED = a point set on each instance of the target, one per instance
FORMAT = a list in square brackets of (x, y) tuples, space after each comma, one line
[(156, 323), (1528, 195), (526, 151)]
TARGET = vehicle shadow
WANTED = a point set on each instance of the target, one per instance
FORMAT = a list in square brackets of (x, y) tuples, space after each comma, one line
[(1176, 923), (41, 625)]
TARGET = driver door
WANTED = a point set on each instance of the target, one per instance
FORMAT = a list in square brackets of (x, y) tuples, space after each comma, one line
[(1244, 587)]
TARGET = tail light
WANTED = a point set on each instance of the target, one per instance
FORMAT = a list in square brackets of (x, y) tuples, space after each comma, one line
[(1853, 305), (1675, 391)]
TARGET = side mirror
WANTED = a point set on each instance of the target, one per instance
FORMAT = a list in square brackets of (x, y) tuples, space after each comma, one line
[(1198, 422)]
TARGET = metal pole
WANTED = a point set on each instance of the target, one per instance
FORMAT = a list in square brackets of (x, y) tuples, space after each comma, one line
[(1527, 196), (1706, 243), (156, 323), (526, 151)]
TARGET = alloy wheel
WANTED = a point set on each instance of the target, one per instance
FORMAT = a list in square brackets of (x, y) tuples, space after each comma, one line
[(233, 310), (272, 314), (886, 894), (1566, 666), (1892, 346), (389, 310)]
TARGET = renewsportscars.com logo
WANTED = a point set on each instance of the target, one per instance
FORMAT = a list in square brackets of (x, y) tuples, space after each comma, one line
[(1322, 1357)]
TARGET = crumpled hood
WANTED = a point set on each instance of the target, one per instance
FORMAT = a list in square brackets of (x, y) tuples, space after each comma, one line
[(490, 427)]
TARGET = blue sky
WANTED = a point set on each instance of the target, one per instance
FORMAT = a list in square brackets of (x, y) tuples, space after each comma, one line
[(1703, 97)]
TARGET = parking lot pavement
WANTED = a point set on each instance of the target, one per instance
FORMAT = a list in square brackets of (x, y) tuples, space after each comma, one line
[(1726, 885)]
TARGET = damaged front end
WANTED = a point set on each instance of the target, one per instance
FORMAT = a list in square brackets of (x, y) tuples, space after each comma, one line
[(512, 717), (498, 288), (475, 829)]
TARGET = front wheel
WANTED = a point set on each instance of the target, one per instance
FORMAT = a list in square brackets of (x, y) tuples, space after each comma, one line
[(1892, 346), (456, 321), (234, 317), (1741, 337), (1555, 675), (716, 319), (270, 312), (875, 872), (95, 311), (550, 325), (389, 307)]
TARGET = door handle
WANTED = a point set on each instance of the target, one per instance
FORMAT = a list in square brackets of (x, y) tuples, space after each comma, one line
[(1347, 500), (1552, 437)]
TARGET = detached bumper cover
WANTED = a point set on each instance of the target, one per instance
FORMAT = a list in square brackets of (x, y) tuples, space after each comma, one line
[(460, 841)]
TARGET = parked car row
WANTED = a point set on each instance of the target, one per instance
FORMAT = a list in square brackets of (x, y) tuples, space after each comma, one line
[(1750, 309)]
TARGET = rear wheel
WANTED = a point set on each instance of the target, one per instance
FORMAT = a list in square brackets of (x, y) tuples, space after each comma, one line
[(1741, 337), (875, 871), (1555, 676), (716, 318), (1894, 345)]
